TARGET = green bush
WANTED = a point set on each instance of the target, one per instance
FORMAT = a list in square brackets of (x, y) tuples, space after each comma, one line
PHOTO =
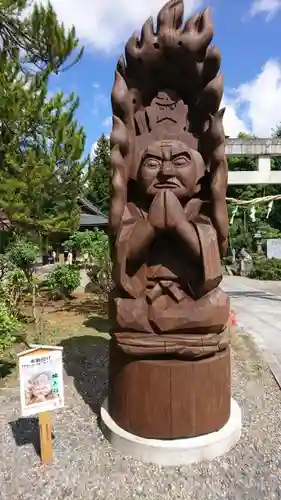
[(63, 280), (9, 327), (94, 249), (22, 253), (266, 269), (14, 285), (16, 288), (92, 245), (82, 242), (5, 266)]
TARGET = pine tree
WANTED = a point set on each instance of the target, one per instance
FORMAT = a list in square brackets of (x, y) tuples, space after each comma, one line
[(34, 37), (41, 143), (98, 188)]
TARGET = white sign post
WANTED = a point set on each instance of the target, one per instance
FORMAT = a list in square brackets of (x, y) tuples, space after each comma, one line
[(42, 389), (273, 248)]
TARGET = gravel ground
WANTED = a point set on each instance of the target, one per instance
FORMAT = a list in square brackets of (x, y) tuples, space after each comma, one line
[(87, 468)]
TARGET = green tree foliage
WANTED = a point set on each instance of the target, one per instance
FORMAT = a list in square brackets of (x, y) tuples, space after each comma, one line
[(275, 216), (22, 254), (94, 249), (34, 38), (98, 179), (41, 143), (16, 282), (267, 269), (62, 280), (9, 327), (18, 279), (243, 229), (93, 244)]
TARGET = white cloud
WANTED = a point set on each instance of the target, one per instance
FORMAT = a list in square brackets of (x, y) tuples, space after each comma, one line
[(107, 122), (104, 24), (233, 125), (268, 7), (101, 101), (256, 105), (93, 150)]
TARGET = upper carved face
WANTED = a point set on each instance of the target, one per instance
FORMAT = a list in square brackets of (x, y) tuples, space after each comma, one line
[(170, 165), (41, 385)]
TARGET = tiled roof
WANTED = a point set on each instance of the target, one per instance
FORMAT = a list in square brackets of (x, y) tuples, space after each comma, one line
[(92, 220), (89, 205)]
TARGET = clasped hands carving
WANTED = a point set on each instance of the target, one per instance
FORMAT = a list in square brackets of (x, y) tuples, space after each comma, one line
[(167, 212)]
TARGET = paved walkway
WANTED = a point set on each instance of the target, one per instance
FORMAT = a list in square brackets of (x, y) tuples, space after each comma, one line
[(257, 305)]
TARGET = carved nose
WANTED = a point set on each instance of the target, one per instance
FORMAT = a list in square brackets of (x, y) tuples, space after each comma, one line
[(167, 169)]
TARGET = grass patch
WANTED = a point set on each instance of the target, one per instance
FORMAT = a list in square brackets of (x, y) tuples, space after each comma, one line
[(84, 318), (245, 350), (81, 323)]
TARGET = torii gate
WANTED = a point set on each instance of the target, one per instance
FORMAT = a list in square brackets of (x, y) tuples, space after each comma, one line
[(263, 149)]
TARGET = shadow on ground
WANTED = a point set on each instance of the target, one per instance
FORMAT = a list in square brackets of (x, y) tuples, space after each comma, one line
[(26, 431), (6, 368), (255, 295), (99, 323), (89, 306), (86, 360)]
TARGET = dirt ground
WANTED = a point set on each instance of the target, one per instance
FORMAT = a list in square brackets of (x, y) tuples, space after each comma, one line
[(86, 466), (84, 315)]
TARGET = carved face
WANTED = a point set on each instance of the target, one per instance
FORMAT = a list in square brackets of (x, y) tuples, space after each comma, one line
[(170, 165), (41, 385), (165, 107)]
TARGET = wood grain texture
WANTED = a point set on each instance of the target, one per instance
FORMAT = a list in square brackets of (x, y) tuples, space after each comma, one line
[(169, 374), (46, 444), (167, 398)]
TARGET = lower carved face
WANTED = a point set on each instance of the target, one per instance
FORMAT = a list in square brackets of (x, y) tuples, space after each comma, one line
[(41, 385), (169, 165)]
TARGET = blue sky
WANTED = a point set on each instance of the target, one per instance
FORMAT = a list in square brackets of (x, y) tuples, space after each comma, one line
[(247, 33)]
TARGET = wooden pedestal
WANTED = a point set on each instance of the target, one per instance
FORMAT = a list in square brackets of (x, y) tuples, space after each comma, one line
[(167, 398)]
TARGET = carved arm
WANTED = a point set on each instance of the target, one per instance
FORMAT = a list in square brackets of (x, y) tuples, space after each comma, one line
[(188, 234), (142, 236), (135, 235), (177, 218)]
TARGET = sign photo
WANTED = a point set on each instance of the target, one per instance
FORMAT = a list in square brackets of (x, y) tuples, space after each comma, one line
[(41, 380)]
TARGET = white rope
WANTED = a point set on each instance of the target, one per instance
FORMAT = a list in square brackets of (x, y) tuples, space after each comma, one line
[(263, 199)]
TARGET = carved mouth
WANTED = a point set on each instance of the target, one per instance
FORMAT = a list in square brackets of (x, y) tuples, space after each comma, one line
[(166, 185), (159, 120)]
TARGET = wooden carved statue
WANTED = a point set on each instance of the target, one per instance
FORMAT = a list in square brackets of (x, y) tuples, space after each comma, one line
[(169, 370)]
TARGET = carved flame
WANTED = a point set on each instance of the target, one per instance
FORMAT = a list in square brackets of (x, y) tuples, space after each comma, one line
[(180, 50)]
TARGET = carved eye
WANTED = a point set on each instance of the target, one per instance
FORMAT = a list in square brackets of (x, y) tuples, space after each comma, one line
[(152, 163), (181, 161)]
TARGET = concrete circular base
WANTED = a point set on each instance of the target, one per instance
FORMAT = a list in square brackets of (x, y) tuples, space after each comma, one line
[(174, 451)]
